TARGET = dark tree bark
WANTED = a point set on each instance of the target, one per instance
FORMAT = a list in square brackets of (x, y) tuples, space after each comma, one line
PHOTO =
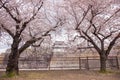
[(103, 59), (12, 65)]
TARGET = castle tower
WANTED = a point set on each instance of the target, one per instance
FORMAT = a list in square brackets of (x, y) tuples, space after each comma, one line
[(59, 49)]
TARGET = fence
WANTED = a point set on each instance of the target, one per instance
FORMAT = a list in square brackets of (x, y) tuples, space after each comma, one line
[(83, 63), (59, 63)]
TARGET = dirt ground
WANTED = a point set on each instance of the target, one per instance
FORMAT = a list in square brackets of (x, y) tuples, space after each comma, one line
[(64, 75)]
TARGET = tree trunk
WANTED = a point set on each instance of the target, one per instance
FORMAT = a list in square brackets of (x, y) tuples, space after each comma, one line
[(103, 62), (12, 65)]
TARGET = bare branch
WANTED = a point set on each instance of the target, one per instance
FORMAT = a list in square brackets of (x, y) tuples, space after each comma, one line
[(88, 28), (26, 45), (112, 43), (11, 15), (32, 18), (7, 30), (33, 39), (38, 45), (17, 11), (110, 17), (92, 41), (75, 15), (3, 4), (84, 15), (105, 37)]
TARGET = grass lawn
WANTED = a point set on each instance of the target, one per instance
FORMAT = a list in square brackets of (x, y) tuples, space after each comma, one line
[(64, 75)]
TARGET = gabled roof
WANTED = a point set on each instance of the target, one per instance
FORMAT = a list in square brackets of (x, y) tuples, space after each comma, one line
[(60, 44)]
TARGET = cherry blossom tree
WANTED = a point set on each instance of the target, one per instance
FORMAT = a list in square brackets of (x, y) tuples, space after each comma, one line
[(27, 24), (97, 22)]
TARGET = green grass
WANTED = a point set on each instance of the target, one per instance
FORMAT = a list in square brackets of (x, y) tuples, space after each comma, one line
[(107, 72), (11, 75), (63, 75)]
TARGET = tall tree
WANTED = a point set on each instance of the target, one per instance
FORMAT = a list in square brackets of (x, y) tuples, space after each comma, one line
[(97, 22), (25, 22)]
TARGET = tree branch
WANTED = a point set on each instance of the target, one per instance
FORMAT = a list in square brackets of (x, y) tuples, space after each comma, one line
[(28, 43), (33, 40), (38, 45), (84, 15), (11, 15), (3, 4), (110, 17), (91, 41), (32, 18), (112, 44), (7, 30)]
